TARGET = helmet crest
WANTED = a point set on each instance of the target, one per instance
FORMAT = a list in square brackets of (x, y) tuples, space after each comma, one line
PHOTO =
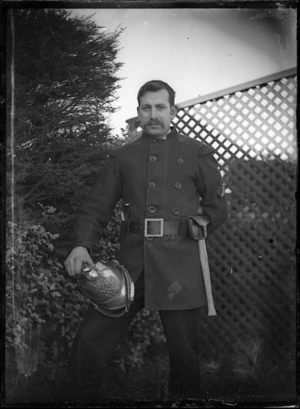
[(110, 289)]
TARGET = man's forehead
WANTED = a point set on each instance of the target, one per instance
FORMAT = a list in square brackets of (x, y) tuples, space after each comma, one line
[(156, 96)]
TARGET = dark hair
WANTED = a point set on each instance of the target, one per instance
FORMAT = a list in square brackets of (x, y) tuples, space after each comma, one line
[(156, 85)]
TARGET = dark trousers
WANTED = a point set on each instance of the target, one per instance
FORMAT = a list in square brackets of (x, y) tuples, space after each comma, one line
[(99, 335)]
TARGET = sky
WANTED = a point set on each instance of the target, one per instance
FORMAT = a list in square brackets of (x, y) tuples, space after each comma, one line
[(196, 51)]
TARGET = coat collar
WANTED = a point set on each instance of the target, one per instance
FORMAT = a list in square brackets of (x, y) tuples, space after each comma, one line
[(171, 135)]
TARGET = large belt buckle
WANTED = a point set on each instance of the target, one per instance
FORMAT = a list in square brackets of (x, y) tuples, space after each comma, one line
[(147, 227)]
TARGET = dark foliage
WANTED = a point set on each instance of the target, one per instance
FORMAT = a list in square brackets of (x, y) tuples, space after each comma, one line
[(65, 82)]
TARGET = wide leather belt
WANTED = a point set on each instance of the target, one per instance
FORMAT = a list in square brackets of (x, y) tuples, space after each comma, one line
[(156, 227)]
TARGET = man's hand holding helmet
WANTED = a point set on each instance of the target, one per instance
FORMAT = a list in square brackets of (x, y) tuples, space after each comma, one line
[(76, 258)]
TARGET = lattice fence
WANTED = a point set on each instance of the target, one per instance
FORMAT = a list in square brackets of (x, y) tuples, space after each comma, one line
[(252, 256)]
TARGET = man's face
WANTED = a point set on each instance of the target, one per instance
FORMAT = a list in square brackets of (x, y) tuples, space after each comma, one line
[(155, 113)]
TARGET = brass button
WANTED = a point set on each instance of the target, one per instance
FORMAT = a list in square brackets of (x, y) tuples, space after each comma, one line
[(181, 139), (180, 161), (176, 211), (154, 140), (151, 209), (178, 185), (152, 185), (153, 158), (171, 237)]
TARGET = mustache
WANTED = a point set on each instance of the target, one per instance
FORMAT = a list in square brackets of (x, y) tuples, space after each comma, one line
[(154, 123)]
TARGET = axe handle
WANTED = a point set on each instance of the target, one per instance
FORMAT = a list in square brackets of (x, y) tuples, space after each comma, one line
[(206, 277)]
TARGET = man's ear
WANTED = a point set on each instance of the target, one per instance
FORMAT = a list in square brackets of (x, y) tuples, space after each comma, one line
[(174, 111)]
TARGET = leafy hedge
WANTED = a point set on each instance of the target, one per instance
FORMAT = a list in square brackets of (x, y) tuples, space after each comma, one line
[(44, 308), (42, 304)]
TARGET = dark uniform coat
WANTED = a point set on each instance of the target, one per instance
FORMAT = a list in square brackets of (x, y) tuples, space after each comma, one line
[(159, 179)]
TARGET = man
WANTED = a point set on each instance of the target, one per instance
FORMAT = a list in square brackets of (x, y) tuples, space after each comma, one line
[(161, 175)]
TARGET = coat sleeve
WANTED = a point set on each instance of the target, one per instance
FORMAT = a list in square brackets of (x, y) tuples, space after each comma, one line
[(209, 183), (98, 207)]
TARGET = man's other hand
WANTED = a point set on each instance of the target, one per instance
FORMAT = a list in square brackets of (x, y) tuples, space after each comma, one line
[(76, 258)]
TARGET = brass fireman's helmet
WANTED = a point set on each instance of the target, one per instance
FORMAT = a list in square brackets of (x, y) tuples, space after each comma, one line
[(110, 289)]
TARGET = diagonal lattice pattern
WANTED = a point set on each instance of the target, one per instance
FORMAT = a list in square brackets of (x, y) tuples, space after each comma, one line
[(249, 124), (252, 255)]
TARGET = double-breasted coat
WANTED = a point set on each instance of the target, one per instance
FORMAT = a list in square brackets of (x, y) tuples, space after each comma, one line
[(158, 178)]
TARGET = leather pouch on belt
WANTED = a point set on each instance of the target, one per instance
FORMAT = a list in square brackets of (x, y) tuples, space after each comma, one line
[(197, 227)]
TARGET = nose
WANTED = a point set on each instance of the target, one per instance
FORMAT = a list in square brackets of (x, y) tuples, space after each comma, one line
[(153, 113)]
